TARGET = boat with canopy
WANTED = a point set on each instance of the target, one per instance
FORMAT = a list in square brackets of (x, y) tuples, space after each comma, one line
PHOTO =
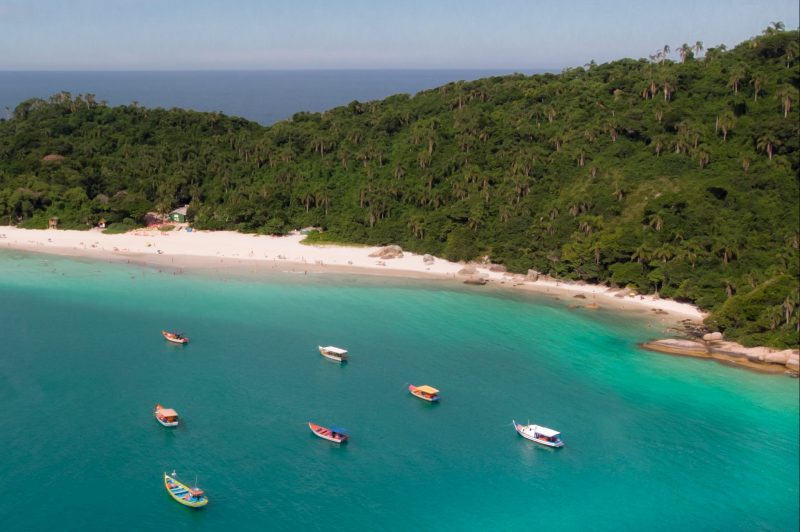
[(166, 416), (192, 497), (337, 354), (539, 434), (334, 434), (424, 392)]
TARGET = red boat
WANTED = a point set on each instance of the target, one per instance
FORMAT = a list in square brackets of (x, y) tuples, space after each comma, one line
[(334, 434), (177, 338)]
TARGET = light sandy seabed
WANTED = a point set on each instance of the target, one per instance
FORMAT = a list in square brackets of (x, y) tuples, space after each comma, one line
[(227, 249)]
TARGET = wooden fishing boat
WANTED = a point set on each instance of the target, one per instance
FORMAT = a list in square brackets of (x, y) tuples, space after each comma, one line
[(192, 497), (166, 416), (539, 434), (337, 354), (177, 338), (424, 392), (334, 434)]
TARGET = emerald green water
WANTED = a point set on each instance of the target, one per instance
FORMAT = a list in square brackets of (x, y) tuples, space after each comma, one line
[(652, 441)]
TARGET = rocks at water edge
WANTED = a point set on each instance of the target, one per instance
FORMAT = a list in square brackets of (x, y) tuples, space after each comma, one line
[(427, 259), (532, 276), (712, 337), (758, 358), (476, 280), (388, 252)]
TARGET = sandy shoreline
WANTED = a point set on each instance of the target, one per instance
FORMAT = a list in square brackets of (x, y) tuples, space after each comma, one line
[(221, 250)]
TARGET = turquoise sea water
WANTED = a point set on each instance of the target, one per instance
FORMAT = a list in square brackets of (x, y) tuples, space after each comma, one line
[(652, 441)]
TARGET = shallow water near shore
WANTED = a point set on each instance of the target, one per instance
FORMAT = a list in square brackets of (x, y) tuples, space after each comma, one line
[(651, 440)]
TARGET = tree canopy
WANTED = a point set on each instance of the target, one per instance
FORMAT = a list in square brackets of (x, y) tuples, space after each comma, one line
[(675, 177)]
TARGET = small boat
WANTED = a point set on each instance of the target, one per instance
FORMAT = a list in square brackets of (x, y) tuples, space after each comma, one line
[(177, 338), (337, 354), (192, 497), (425, 392), (166, 416), (334, 434), (539, 434)]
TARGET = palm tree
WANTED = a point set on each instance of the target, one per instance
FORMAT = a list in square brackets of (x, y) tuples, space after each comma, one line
[(665, 51), (767, 143), (658, 145), (784, 94), (641, 254), (656, 222), (698, 47), (684, 52), (703, 157), (757, 82), (737, 75), (664, 253), (729, 250), (669, 86), (725, 123), (789, 305), (774, 27), (791, 53)]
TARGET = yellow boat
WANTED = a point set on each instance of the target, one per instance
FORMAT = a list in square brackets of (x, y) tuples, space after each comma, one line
[(424, 392), (192, 497)]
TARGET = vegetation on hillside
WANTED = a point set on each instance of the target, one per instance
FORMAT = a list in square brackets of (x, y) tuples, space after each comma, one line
[(671, 176)]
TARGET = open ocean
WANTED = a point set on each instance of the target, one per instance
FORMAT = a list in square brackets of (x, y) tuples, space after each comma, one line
[(262, 96), (652, 441)]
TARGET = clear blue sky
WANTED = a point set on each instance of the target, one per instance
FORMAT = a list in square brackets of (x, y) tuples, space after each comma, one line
[(313, 34)]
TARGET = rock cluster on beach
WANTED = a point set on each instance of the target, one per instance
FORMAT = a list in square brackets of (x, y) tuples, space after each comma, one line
[(713, 346), (388, 252)]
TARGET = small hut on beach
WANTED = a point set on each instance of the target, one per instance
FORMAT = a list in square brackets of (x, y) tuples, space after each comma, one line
[(179, 214)]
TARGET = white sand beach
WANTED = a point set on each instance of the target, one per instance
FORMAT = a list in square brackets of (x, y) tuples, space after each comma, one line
[(221, 249)]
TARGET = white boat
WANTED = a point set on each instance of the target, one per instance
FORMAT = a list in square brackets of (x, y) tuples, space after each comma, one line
[(539, 434), (337, 354)]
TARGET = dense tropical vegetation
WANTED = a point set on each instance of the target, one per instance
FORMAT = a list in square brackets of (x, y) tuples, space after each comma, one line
[(677, 177)]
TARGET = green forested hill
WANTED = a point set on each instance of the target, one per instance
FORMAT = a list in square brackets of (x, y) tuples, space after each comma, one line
[(679, 177)]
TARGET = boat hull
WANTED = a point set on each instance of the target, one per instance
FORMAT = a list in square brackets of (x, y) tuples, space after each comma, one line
[(179, 492), (332, 356), (167, 337), (326, 434), (528, 436)]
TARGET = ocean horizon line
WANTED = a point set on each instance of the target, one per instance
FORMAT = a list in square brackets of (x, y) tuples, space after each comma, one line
[(510, 70)]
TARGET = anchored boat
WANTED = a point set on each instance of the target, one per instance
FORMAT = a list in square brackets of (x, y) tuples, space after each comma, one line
[(539, 434), (192, 497), (424, 392), (334, 434), (177, 338), (166, 416), (337, 354)]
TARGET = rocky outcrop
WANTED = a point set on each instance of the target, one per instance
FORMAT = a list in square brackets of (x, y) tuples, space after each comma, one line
[(476, 280), (388, 252), (469, 269), (427, 259), (758, 358), (712, 337), (498, 268), (532, 276)]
